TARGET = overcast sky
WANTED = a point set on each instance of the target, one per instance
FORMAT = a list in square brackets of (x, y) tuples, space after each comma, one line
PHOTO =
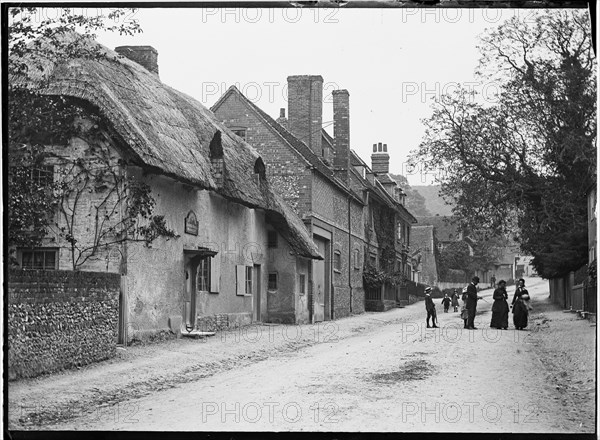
[(392, 61)]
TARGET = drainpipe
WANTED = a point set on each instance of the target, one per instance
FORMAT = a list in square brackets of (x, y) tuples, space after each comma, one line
[(350, 264)]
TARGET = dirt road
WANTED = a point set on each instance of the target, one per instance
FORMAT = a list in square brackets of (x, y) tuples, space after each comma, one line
[(374, 372)]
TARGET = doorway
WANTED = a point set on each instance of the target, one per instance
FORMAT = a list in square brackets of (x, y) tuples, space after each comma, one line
[(197, 286), (321, 283)]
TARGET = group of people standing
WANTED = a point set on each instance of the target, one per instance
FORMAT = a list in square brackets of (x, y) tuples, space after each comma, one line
[(520, 306), (500, 309)]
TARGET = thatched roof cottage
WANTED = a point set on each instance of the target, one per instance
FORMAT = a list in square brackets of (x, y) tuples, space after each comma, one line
[(236, 238)]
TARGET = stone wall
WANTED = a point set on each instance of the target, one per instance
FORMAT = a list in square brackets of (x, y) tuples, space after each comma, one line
[(60, 319)]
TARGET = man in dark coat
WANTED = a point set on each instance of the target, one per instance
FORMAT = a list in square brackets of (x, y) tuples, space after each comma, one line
[(472, 299), (430, 307)]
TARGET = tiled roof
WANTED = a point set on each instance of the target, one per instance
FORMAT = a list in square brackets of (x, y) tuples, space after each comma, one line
[(300, 147)]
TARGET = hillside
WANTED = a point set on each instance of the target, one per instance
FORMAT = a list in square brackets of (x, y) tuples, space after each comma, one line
[(433, 202)]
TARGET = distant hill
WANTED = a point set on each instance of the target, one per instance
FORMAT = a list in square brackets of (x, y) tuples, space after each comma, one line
[(433, 201)]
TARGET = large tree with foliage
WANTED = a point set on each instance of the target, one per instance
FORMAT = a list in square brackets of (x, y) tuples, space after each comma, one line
[(45, 199), (526, 160)]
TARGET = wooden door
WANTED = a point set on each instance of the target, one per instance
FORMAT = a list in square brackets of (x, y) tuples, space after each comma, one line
[(319, 282)]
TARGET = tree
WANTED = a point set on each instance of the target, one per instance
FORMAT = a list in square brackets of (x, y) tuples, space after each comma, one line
[(86, 200), (526, 160)]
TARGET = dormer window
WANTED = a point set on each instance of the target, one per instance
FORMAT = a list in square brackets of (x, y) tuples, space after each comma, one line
[(260, 171)]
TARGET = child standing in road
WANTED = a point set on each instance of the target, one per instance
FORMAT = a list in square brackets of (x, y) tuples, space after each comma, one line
[(455, 300), (446, 303)]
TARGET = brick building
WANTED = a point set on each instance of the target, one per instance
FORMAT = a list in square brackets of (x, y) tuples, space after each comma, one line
[(235, 238), (326, 184)]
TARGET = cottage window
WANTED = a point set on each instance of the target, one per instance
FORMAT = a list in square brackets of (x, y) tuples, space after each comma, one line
[(40, 176), (373, 260), (43, 176), (337, 261), (271, 239), (272, 281), (302, 284), (41, 258), (203, 275)]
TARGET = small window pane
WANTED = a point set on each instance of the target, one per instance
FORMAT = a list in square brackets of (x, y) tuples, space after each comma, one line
[(272, 281), (27, 260), (302, 283), (248, 280), (50, 262), (203, 275), (272, 239), (38, 260)]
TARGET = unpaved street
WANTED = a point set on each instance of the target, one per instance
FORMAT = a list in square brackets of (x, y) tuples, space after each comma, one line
[(374, 372)]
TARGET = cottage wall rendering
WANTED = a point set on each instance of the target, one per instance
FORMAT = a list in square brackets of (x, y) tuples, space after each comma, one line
[(316, 175), (234, 240)]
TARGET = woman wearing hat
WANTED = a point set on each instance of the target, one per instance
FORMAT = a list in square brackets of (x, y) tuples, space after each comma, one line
[(430, 307), (500, 307), (520, 306)]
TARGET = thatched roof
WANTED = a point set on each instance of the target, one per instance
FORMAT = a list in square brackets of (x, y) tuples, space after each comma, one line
[(170, 133), (297, 146)]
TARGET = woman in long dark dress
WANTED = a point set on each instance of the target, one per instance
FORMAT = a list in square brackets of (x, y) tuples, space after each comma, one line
[(500, 307), (520, 309)]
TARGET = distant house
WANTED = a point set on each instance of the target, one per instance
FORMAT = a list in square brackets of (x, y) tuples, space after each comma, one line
[(423, 247), (318, 176), (236, 238)]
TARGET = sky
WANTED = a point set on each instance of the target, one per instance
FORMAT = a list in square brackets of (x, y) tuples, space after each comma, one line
[(393, 62)]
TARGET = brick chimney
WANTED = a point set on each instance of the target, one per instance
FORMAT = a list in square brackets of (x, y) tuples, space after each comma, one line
[(380, 159), (282, 120), (145, 56), (305, 109), (341, 129)]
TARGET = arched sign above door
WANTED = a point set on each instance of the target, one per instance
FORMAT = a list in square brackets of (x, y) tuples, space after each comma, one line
[(191, 223)]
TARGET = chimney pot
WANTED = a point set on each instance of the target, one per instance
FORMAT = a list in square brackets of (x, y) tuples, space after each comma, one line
[(145, 56), (380, 159), (374, 148)]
